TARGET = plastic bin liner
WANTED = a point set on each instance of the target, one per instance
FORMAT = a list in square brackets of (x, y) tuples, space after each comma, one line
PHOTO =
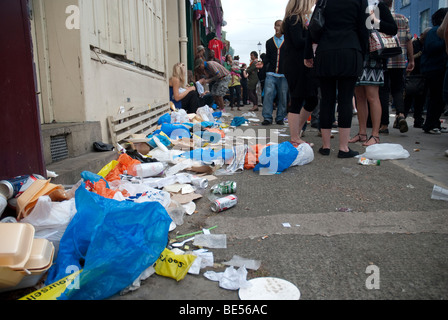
[(166, 118), (117, 241), (277, 158), (175, 131)]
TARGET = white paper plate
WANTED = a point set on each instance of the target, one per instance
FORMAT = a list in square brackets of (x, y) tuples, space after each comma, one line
[(269, 289)]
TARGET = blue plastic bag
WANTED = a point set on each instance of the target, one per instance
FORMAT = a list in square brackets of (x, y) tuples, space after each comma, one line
[(238, 121), (163, 139), (207, 155), (175, 131), (116, 240), (90, 176), (166, 118), (277, 158)]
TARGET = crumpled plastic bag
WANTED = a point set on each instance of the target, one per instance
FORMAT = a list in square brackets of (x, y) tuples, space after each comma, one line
[(305, 156), (277, 158), (230, 279), (253, 153), (386, 151), (114, 241), (238, 121), (205, 113), (124, 162), (174, 266)]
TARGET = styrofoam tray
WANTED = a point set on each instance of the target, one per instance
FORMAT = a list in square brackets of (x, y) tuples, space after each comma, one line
[(16, 241), (269, 289)]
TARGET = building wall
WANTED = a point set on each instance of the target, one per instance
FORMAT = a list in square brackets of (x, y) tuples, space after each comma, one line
[(117, 57), (419, 12)]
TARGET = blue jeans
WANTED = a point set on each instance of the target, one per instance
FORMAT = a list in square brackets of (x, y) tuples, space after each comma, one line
[(273, 87)]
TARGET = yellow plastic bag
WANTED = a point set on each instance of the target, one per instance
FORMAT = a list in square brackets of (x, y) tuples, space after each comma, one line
[(108, 168), (174, 266)]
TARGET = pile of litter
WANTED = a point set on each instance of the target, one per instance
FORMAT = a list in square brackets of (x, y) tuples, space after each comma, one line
[(111, 230)]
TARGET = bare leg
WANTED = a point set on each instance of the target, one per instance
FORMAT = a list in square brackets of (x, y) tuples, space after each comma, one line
[(373, 97), (363, 114)]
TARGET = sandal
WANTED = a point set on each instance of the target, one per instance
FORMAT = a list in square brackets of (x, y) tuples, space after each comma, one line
[(376, 139), (358, 138)]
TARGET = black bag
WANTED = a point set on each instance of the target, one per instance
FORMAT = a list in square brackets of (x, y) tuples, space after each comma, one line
[(102, 147), (317, 21), (415, 85)]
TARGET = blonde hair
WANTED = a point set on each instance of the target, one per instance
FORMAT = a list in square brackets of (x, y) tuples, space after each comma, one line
[(180, 73), (301, 8)]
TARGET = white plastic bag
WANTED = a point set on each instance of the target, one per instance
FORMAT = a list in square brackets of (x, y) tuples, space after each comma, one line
[(386, 151), (205, 113), (50, 219), (179, 116), (230, 279), (305, 156)]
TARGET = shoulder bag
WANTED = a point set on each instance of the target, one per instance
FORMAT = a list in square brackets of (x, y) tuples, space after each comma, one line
[(317, 21), (383, 45)]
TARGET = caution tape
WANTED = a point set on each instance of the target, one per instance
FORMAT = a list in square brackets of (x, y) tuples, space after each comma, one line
[(52, 291)]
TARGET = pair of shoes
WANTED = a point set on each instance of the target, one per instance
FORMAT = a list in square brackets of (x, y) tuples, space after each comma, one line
[(281, 123), (384, 131), (433, 131), (324, 152), (402, 124), (358, 138), (349, 154), (266, 123), (376, 141)]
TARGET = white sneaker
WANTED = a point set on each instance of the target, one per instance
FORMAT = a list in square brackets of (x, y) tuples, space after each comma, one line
[(444, 130)]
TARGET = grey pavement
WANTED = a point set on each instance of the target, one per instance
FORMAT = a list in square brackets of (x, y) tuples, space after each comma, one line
[(388, 222), (392, 224)]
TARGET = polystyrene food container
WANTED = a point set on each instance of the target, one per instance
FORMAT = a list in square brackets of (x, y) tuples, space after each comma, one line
[(16, 241), (41, 255)]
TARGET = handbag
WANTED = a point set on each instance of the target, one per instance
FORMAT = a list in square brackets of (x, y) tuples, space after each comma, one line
[(317, 21), (415, 85), (383, 45)]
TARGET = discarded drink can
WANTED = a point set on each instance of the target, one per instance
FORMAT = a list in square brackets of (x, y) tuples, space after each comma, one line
[(224, 204), (227, 187), (200, 182), (12, 188), (368, 162)]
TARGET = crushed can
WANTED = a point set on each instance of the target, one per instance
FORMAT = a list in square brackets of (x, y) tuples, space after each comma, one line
[(224, 204), (227, 187)]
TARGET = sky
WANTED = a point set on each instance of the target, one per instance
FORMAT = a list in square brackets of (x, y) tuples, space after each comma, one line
[(250, 22)]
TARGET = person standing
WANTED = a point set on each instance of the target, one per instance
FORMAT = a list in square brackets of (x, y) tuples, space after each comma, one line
[(235, 86), (394, 75), (339, 63), (252, 80), (367, 88), (433, 65), (244, 75), (302, 84), (275, 84)]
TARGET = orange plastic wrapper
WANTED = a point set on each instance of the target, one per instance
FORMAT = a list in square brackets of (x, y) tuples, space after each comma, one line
[(252, 156), (214, 130), (125, 162), (101, 189)]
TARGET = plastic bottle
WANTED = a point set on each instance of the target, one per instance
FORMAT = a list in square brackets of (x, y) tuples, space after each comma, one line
[(146, 170), (369, 162)]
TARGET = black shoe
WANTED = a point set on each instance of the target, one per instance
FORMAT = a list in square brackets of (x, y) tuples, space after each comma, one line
[(324, 152), (281, 123), (266, 123), (349, 154)]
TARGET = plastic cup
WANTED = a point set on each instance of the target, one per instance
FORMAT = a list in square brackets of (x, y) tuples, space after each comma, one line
[(439, 193)]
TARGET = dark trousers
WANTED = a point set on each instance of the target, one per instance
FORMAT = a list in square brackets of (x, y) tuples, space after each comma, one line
[(244, 91), (416, 101), (191, 102), (393, 85), (436, 105), (235, 96), (343, 89)]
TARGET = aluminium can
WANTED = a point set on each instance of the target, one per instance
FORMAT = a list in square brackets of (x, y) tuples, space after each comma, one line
[(224, 204)]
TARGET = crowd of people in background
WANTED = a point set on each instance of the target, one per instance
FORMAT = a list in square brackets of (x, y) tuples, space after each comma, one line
[(334, 76)]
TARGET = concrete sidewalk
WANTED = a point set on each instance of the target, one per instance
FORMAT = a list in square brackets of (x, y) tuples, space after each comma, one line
[(392, 224)]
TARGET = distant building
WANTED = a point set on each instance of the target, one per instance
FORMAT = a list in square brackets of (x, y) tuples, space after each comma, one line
[(419, 12)]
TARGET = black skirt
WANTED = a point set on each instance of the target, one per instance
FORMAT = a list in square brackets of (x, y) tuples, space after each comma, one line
[(339, 63)]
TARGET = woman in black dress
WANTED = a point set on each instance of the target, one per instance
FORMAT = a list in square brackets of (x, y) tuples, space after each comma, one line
[(339, 62), (301, 80)]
